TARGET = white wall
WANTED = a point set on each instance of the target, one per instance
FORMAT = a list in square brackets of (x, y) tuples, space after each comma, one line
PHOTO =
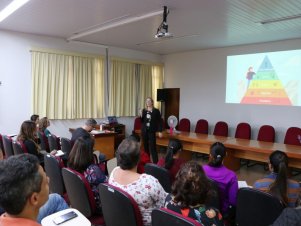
[(15, 75), (201, 77)]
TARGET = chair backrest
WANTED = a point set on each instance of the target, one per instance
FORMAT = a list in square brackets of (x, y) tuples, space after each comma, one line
[(8, 146), (137, 123), (170, 218), (66, 146), (111, 164), (184, 125), (201, 126), (243, 131), (43, 141), (53, 142), (54, 172), (256, 207), (266, 133), (221, 129), (79, 192), (19, 148), (161, 174), (293, 136), (114, 200)]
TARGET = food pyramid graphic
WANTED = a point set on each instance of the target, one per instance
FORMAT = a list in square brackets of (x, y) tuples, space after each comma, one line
[(265, 87)]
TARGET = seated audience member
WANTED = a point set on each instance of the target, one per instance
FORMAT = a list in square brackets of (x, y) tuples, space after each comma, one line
[(289, 217), (145, 189), (43, 124), (172, 161), (35, 118), (144, 157), (24, 192), (27, 136), (277, 182), (188, 195), (84, 132), (81, 160), (226, 179)]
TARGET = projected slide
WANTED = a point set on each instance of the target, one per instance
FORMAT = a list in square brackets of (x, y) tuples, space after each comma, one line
[(265, 78)]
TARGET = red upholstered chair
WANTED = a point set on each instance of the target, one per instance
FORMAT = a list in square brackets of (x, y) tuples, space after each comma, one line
[(201, 126), (19, 148), (54, 142), (167, 217), (66, 146), (137, 123), (184, 125), (53, 169), (293, 136), (256, 207), (8, 146), (221, 129), (266, 133), (243, 131), (161, 174), (43, 141), (114, 200), (80, 195)]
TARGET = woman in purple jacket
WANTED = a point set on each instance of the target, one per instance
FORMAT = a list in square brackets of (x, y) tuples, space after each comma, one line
[(226, 179)]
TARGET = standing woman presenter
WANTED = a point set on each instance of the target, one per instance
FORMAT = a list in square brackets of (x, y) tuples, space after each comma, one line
[(151, 123)]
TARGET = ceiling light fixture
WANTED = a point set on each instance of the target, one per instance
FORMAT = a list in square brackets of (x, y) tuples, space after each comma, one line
[(12, 7), (269, 21), (106, 26)]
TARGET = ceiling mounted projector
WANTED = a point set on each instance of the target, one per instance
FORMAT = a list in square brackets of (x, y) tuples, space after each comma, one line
[(162, 31)]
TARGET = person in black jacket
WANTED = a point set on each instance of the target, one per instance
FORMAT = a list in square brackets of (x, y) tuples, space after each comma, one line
[(151, 123)]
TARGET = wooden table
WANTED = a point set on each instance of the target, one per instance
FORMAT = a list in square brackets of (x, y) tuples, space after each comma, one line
[(104, 142), (236, 148)]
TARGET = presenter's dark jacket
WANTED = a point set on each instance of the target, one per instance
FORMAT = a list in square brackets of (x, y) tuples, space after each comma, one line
[(152, 124)]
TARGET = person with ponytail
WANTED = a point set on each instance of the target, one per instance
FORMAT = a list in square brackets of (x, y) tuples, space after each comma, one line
[(226, 179), (172, 161), (277, 182)]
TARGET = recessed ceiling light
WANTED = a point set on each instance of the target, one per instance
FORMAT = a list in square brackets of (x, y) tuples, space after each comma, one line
[(12, 7)]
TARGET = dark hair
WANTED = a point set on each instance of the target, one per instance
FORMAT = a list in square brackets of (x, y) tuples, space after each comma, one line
[(278, 188), (191, 186), (128, 154), (173, 147), (134, 136), (34, 118), (91, 122), (19, 178), (217, 152), (81, 154)]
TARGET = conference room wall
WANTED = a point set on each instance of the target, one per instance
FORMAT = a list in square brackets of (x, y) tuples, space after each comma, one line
[(201, 77), (15, 75)]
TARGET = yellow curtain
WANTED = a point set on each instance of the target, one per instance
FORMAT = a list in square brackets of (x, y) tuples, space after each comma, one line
[(67, 86), (130, 84), (122, 88), (157, 83), (145, 84)]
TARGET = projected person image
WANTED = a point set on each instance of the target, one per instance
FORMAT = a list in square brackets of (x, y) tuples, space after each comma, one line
[(249, 76)]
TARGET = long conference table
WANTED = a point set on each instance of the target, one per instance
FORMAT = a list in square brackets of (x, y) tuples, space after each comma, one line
[(236, 148)]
